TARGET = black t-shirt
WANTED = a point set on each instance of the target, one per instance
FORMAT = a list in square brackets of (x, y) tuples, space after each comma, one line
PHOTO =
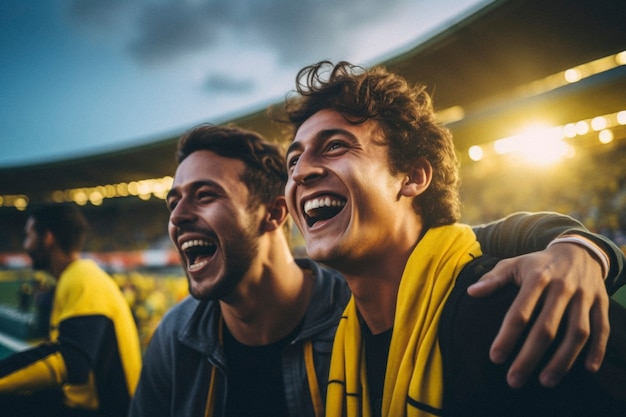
[(376, 352), (255, 378)]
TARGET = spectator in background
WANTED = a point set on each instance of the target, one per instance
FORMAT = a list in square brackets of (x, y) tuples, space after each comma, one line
[(255, 337), (91, 365), (373, 187)]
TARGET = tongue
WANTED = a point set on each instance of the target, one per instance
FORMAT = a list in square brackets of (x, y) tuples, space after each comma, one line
[(203, 257), (322, 213)]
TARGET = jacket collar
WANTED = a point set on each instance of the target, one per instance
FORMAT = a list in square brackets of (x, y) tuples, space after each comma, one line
[(328, 299)]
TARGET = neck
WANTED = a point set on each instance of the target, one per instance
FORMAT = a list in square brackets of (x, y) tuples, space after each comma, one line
[(375, 284), (375, 294), (271, 300), (60, 261)]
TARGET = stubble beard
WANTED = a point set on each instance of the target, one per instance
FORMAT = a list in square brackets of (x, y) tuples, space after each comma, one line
[(238, 257)]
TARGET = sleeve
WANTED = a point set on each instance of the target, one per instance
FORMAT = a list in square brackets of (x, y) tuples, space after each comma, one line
[(153, 395), (69, 360), (525, 232), (83, 340), (34, 369)]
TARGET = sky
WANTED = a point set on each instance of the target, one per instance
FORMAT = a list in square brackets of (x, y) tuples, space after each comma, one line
[(81, 77)]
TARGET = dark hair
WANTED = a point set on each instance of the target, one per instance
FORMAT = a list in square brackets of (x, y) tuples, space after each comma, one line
[(265, 172), (66, 223), (405, 114)]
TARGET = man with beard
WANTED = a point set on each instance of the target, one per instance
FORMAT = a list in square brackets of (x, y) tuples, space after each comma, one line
[(373, 187), (255, 337), (90, 365)]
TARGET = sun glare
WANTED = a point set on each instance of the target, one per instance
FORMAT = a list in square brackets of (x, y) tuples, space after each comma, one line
[(476, 153), (537, 144)]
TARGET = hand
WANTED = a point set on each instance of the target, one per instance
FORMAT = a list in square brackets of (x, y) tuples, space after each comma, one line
[(566, 282)]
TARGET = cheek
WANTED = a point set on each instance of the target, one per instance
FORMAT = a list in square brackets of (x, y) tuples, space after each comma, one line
[(289, 195), (171, 230)]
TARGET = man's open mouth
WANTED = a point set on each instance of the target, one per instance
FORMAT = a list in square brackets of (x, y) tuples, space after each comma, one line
[(198, 252), (322, 208)]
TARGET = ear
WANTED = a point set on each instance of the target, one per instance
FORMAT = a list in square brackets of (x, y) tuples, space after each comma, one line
[(48, 239), (276, 215), (418, 179)]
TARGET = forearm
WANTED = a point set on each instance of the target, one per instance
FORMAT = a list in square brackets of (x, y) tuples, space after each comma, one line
[(524, 232)]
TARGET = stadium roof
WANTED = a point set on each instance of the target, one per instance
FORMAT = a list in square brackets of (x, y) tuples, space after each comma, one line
[(489, 74)]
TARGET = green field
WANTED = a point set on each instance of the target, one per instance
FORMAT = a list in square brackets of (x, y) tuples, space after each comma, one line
[(10, 282)]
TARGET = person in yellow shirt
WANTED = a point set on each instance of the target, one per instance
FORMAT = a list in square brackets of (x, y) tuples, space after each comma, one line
[(90, 366)]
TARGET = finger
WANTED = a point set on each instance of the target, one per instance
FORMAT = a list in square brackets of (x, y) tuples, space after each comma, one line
[(541, 335), (575, 337), (600, 330), (515, 321), (498, 277)]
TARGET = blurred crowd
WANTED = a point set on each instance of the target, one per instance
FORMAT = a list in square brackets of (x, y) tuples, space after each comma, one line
[(590, 188)]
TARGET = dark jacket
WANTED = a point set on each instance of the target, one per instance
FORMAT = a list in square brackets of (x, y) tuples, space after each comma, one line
[(185, 347)]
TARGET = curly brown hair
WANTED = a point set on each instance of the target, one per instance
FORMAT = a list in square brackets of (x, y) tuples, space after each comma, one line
[(404, 113)]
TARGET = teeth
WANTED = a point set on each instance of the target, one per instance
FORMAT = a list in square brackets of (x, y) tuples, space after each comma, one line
[(197, 266), (194, 243), (322, 202)]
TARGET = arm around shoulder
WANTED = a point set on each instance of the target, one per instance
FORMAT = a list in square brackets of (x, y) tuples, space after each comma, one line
[(476, 386)]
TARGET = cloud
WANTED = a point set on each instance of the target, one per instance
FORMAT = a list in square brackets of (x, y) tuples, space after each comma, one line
[(319, 29), (221, 82), (213, 42), (97, 16), (159, 31), (170, 30)]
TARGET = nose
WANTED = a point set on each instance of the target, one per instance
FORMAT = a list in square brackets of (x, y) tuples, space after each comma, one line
[(306, 170), (182, 213)]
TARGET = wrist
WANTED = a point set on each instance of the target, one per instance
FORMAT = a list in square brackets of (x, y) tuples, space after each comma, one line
[(594, 250)]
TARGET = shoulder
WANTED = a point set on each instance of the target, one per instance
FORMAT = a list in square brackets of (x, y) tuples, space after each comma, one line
[(467, 328), (166, 337), (324, 276), (179, 315), (473, 385), (469, 324), (85, 275), (462, 309), (330, 286), (328, 300)]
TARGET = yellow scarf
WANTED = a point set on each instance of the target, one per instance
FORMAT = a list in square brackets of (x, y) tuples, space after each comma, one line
[(414, 377)]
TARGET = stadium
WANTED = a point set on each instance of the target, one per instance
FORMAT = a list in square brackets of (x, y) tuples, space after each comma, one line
[(533, 91)]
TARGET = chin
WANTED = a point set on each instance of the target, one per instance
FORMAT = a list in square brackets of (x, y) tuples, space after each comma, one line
[(199, 292), (322, 254), (211, 291)]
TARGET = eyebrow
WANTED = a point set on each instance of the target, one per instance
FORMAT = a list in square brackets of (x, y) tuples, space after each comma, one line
[(293, 147), (194, 185)]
